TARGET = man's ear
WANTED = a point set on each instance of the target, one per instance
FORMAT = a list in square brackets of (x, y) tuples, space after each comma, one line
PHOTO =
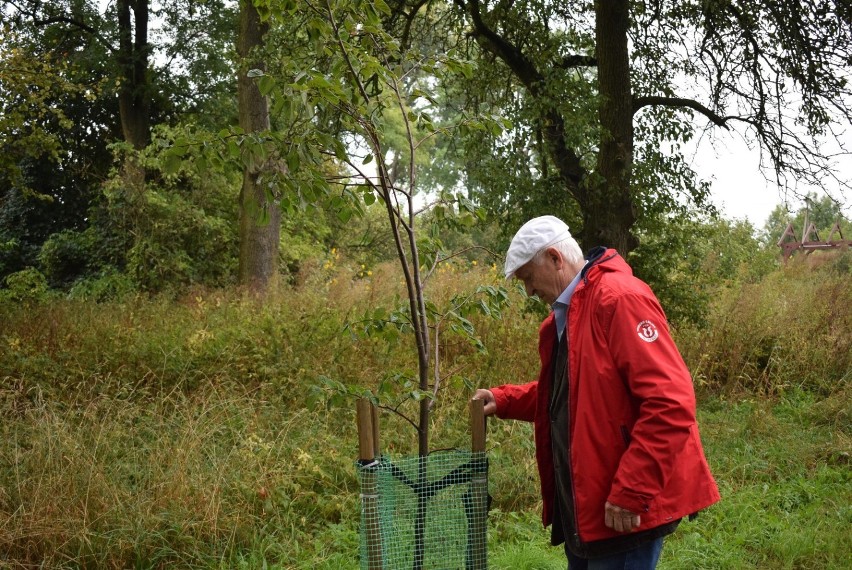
[(555, 257)]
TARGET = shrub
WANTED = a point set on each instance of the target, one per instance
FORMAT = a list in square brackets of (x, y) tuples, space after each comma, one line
[(108, 285), (66, 255), (26, 285), (788, 331)]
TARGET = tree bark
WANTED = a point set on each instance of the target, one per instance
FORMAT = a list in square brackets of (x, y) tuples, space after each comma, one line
[(133, 51), (133, 94), (608, 214), (607, 208), (260, 215)]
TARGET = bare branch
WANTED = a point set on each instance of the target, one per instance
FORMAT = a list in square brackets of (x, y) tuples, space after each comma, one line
[(654, 100)]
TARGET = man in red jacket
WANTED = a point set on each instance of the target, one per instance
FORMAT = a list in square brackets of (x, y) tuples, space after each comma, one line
[(617, 444)]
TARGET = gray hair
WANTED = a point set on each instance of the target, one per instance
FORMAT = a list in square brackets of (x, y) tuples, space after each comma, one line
[(568, 247)]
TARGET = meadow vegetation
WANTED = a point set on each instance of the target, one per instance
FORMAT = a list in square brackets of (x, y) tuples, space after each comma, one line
[(193, 430)]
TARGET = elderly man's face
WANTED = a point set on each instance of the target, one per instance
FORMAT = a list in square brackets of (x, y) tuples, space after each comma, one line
[(547, 277)]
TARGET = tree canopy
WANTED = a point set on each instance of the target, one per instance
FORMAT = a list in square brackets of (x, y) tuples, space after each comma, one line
[(581, 109)]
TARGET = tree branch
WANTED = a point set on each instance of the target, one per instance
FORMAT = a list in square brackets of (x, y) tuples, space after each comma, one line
[(565, 159), (520, 65), (70, 21), (676, 102), (576, 60)]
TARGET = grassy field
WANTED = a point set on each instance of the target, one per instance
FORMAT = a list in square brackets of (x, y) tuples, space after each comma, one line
[(189, 432)]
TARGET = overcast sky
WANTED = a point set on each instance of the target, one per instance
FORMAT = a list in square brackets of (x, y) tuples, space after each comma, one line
[(739, 189)]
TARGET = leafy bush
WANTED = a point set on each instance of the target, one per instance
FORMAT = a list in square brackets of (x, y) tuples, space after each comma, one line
[(108, 285), (183, 224), (66, 256), (26, 285), (688, 262), (789, 331)]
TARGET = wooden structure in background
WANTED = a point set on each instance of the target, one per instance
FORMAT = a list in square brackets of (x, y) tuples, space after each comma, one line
[(810, 241)]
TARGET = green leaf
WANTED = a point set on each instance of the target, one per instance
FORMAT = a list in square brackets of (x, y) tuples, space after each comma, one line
[(265, 85), (233, 149), (202, 166), (344, 214), (382, 7), (171, 163), (293, 161)]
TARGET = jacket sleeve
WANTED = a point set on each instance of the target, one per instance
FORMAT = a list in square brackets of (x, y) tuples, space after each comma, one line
[(516, 401), (661, 388)]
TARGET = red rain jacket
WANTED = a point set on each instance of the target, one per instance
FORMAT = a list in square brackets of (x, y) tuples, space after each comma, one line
[(633, 435)]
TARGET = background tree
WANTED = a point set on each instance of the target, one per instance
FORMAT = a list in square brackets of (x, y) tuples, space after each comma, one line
[(85, 65), (260, 214), (55, 125), (776, 70)]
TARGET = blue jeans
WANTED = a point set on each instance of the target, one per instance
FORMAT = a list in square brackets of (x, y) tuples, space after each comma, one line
[(643, 557)]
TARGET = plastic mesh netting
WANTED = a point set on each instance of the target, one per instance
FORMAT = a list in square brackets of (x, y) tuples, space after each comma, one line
[(425, 513)]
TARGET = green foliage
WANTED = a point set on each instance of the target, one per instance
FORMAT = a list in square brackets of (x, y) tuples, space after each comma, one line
[(376, 92), (26, 285), (32, 80), (109, 284), (687, 262), (56, 122), (177, 431), (66, 255), (787, 332), (184, 223)]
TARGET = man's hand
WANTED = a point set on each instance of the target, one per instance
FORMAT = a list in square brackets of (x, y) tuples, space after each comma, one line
[(619, 519), (490, 404)]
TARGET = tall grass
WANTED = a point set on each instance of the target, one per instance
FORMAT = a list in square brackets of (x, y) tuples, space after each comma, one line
[(790, 331), (177, 433)]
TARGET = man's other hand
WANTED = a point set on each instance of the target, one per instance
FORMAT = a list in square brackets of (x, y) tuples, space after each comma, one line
[(486, 396), (619, 519)]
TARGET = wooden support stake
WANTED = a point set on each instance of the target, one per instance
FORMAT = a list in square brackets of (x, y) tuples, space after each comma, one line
[(375, 414), (477, 558), (368, 437), (366, 430), (477, 425)]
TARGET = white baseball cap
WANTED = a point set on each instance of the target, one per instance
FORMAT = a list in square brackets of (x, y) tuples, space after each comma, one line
[(534, 236)]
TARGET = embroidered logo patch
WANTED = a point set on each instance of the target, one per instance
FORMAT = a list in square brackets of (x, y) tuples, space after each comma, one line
[(647, 331)]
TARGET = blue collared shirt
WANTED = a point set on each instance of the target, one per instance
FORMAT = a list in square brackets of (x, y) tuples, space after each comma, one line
[(560, 306)]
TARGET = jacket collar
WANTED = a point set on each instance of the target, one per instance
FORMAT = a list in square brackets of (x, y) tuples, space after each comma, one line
[(595, 257)]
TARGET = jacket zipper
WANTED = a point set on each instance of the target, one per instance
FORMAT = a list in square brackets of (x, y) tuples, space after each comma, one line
[(570, 466)]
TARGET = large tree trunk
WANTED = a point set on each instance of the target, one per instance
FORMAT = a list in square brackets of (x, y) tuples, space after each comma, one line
[(607, 210), (260, 216), (608, 214), (133, 52), (133, 92)]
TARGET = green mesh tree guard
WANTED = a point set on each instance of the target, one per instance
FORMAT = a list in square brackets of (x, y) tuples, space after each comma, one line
[(425, 513)]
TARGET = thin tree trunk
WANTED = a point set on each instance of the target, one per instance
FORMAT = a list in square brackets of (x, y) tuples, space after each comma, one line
[(608, 214), (260, 216)]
